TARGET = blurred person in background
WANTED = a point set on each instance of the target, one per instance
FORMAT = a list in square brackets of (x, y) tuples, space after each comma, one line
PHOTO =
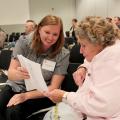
[(116, 20), (30, 27), (72, 29), (3, 37)]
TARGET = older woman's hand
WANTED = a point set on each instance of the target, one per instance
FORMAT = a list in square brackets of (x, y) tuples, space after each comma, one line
[(79, 76), (55, 95)]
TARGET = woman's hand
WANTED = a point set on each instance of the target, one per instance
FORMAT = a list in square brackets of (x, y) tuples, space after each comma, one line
[(79, 76), (17, 99), (21, 73)]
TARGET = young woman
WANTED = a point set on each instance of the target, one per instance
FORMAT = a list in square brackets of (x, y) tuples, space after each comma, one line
[(46, 45)]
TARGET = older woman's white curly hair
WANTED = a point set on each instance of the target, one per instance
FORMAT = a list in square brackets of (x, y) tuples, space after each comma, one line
[(97, 30)]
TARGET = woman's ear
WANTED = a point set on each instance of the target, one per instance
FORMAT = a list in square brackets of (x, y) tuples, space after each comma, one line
[(39, 29)]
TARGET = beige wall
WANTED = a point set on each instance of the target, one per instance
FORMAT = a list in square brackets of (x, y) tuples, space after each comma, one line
[(36, 10), (13, 28), (13, 11), (63, 8), (97, 7)]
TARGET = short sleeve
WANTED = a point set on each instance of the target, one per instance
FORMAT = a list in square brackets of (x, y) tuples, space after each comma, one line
[(62, 62), (21, 47)]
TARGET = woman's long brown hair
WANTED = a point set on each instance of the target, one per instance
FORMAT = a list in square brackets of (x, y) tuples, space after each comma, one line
[(36, 42)]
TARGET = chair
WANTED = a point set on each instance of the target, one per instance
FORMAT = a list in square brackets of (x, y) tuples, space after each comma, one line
[(68, 83), (39, 114), (12, 37), (68, 42), (5, 58), (75, 55), (75, 60)]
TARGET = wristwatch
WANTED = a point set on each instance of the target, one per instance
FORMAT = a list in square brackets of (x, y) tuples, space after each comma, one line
[(64, 98)]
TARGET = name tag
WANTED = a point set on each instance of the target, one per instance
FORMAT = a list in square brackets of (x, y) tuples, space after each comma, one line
[(48, 65)]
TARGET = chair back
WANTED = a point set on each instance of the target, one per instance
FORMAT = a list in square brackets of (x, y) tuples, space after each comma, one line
[(68, 83), (75, 60), (75, 55), (5, 58)]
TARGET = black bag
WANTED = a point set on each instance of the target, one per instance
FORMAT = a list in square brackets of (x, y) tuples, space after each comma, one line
[(3, 78)]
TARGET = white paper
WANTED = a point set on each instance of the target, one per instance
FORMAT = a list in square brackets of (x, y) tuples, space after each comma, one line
[(36, 80)]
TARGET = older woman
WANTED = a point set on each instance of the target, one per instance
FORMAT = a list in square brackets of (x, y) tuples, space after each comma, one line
[(97, 96)]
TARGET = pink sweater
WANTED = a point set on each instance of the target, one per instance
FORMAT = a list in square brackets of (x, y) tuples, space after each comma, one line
[(99, 97)]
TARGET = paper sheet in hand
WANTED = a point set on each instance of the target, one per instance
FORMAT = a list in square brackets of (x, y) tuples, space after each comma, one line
[(36, 80)]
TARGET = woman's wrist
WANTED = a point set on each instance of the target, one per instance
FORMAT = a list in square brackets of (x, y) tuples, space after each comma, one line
[(64, 98), (27, 96)]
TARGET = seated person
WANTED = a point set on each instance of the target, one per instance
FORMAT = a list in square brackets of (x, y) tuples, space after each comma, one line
[(46, 45), (30, 27), (3, 37), (72, 29)]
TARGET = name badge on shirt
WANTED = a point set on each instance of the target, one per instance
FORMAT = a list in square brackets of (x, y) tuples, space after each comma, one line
[(48, 65)]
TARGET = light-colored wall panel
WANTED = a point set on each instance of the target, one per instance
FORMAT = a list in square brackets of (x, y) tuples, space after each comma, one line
[(13, 11), (103, 8), (113, 7), (85, 8), (63, 8), (13, 28)]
